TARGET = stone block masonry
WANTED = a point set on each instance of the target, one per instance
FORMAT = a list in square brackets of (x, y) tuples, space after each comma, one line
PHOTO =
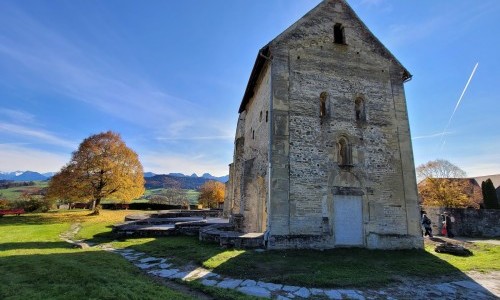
[(338, 140)]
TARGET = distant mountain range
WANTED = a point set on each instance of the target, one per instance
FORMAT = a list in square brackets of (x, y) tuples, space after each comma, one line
[(24, 176), (35, 176)]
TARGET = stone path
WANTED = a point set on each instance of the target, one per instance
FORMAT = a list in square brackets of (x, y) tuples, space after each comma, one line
[(466, 288), (161, 267)]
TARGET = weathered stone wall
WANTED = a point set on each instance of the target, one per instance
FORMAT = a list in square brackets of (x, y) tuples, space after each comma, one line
[(338, 130), (468, 222), (247, 190), (305, 162)]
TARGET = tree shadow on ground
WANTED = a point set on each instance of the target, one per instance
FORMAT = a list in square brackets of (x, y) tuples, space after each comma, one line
[(336, 268), (39, 218), (34, 245)]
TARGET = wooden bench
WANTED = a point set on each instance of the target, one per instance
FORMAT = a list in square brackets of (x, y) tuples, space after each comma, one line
[(17, 212)]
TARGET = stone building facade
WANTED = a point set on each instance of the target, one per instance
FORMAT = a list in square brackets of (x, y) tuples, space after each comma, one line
[(323, 154)]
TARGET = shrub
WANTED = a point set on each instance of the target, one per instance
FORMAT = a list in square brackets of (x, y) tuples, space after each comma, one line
[(34, 205), (4, 204)]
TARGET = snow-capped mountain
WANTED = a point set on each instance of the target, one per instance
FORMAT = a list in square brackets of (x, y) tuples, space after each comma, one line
[(23, 176)]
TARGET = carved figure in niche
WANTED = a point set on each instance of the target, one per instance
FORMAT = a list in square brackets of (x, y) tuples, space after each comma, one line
[(359, 107), (322, 104)]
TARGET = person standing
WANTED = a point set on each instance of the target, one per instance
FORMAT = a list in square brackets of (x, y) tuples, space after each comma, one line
[(448, 223), (426, 222)]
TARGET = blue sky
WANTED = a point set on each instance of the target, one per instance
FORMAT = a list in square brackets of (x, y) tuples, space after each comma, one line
[(169, 76)]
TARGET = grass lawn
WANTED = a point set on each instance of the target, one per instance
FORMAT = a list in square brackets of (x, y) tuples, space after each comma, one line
[(192, 195), (36, 264), (329, 268)]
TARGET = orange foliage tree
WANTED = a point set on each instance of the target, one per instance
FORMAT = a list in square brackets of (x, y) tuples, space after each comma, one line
[(103, 167), (212, 194), (444, 184)]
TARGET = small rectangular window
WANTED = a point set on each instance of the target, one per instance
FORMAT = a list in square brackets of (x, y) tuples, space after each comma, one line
[(338, 34)]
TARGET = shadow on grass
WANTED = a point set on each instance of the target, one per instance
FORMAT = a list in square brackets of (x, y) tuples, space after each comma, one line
[(336, 268), (34, 245), (40, 218)]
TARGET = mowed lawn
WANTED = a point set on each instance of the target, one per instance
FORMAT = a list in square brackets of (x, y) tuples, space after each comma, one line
[(35, 264), (336, 268)]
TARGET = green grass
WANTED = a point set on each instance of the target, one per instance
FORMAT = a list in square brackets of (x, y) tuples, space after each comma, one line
[(32, 239), (486, 258), (192, 195), (331, 268), (14, 193), (36, 264)]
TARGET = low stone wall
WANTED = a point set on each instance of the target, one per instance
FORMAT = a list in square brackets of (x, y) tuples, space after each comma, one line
[(468, 222)]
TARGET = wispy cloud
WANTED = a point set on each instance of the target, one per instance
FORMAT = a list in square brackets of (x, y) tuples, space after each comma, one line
[(38, 135), (429, 136), (75, 70), (17, 115), (18, 157)]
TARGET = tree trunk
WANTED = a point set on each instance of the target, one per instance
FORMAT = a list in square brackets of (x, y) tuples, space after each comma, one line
[(96, 207)]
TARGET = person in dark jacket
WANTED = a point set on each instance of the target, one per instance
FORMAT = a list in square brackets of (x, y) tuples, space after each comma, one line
[(426, 222)]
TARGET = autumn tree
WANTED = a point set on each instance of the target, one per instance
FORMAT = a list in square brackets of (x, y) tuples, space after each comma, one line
[(444, 184), (490, 198), (103, 167), (211, 194)]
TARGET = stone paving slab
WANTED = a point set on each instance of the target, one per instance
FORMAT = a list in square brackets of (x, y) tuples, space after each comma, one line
[(209, 282), (469, 285), (255, 291), (229, 283), (303, 292), (464, 289)]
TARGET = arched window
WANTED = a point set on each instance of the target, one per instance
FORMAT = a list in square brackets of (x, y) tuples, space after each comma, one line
[(338, 34), (322, 104), (344, 156), (359, 108)]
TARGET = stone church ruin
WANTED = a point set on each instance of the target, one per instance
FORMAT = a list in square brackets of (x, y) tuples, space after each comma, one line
[(323, 155)]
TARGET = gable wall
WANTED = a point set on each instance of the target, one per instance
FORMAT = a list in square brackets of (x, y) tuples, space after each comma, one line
[(306, 174)]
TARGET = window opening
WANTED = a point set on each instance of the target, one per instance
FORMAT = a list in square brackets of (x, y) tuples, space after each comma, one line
[(322, 104), (260, 116), (267, 115), (338, 34), (359, 108)]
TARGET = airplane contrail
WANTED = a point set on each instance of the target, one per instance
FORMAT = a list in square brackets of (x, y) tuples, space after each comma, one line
[(456, 106)]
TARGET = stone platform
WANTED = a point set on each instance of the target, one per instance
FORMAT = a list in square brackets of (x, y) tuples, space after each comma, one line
[(189, 222)]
